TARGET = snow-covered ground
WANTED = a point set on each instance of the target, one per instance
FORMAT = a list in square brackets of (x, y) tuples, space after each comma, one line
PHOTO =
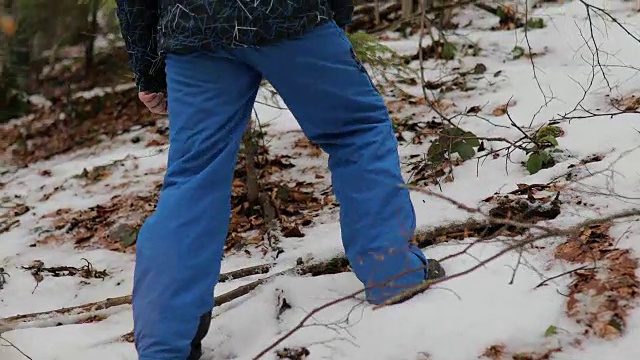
[(456, 320)]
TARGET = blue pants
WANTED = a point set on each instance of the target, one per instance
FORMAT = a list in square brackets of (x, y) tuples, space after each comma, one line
[(211, 96)]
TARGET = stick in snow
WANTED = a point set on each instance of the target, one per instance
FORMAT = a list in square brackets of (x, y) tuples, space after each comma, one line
[(80, 313)]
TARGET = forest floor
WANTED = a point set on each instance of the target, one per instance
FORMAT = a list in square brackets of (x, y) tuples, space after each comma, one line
[(81, 175)]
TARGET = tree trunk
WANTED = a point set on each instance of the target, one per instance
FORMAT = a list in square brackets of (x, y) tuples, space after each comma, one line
[(407, 9), (255, 196), (92, 32), (252, 184), (3, 40), (12, 72)]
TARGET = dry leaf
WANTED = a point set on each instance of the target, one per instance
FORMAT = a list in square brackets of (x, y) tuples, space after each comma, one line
[(293, 231), (494, 352), (500, 110)]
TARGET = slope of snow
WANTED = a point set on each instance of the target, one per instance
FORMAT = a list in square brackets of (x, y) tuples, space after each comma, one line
[(456, 320)]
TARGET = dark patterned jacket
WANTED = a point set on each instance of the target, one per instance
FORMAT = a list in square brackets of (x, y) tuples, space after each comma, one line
[(151, 28)]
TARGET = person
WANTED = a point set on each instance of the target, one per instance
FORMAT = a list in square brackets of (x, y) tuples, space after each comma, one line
[(202, 62)]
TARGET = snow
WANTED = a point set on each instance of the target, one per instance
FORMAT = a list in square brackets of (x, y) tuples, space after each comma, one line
[(456, 320)]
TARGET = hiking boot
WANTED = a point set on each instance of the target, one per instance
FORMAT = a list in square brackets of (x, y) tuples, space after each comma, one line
[(196, 343), (434, 270), (407, 286)]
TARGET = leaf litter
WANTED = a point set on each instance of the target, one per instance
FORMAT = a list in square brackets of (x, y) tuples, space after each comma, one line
[(74, 124), (114, 224)]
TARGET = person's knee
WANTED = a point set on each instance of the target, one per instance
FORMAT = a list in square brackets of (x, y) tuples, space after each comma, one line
[(358, 141)]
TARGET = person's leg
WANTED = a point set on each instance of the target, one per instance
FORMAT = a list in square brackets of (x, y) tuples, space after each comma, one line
[(179, 248), (337, 106)]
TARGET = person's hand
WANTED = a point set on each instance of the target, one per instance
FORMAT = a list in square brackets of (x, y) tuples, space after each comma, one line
[(156, 102)]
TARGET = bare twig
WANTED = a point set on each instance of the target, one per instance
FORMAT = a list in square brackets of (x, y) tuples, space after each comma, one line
[(78, 313), (533, 65), (610, 17), (545, 281), (15, 347)]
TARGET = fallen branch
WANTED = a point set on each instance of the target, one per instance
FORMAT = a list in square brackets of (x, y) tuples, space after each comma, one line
[(8, 225), (79, 313), (547, 233), (481, 230), (421, 288), (241, 273), (53, 317), (505, 14), (75, 314)]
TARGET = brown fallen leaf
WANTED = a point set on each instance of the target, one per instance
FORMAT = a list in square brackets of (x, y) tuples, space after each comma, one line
[(474, 109), (500, 110), (292, 232), (494, 352)]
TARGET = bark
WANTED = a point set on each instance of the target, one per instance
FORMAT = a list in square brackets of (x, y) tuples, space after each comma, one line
[(92, 32), (407, 9), (252, 182)]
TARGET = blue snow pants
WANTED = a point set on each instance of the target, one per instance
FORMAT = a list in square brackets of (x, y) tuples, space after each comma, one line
[(210, 100)]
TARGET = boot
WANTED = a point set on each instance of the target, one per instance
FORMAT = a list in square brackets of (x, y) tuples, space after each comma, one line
[(196, 343)]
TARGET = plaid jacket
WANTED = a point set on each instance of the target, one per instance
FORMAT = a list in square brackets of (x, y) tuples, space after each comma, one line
[(151, 28)]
